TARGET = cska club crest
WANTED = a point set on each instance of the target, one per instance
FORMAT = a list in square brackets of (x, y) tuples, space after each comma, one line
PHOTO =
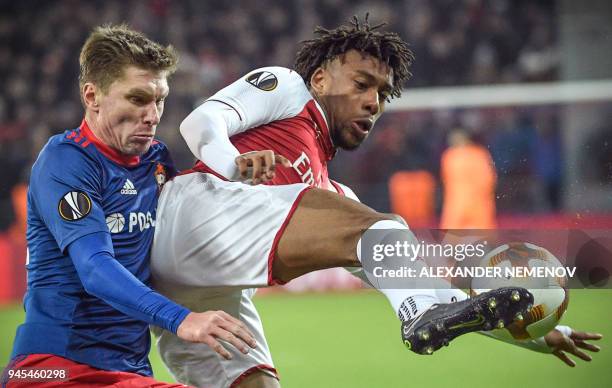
[(160, 176)]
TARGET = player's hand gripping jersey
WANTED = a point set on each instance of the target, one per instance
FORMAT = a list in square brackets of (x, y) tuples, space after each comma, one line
[(91, 217), (269, 109)]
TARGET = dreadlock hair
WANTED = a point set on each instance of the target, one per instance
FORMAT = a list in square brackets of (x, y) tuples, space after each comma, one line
[(387, 47)]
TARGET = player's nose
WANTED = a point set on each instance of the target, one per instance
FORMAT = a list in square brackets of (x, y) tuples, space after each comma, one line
[(152, 115), (371, 102)]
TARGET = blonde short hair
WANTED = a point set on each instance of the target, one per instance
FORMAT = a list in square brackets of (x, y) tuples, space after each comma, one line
[(109, 49)]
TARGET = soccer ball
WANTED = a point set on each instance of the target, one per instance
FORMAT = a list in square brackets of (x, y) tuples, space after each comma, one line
[(550, 295)]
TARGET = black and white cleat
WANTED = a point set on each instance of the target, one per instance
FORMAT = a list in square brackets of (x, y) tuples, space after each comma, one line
[(442, 323)]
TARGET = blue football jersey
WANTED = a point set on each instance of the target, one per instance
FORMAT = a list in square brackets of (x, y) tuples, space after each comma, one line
[(80, 186)]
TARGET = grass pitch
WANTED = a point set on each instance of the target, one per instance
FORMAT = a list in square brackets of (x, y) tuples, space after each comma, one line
[(352, 340)]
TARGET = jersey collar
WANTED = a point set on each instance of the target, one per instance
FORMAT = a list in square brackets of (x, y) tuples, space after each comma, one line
[(110, 153), (323, 134)]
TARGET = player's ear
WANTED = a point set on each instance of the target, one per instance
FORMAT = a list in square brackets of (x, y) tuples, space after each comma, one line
[(319, 80), (90, 99)]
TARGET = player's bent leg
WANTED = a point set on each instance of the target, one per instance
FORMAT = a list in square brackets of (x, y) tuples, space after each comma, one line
[(325, 231), (257, 379)]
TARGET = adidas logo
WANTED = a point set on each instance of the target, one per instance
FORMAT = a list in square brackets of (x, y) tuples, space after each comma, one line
[(128, 188)]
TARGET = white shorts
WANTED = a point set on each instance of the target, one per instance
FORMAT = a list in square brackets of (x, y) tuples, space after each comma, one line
[(214, 242), (214, 233)]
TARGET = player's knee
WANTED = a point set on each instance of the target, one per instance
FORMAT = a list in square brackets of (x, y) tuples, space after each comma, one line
[(258, 379)]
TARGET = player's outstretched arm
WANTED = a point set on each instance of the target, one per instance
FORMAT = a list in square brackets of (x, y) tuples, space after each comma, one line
[(561, 340), (211, 326), (572, 342), (104, 277)]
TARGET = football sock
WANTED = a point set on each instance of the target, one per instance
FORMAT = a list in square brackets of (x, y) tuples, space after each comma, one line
[(407, 303)]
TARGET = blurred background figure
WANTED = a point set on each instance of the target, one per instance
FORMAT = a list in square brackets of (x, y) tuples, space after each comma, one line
[(468, 178), (412, 195)]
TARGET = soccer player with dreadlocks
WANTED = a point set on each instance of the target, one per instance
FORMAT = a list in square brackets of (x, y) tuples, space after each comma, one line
[(217, 239)]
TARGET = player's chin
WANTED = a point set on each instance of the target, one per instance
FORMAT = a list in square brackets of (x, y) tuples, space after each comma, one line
[(137, 148), (351, 141)]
